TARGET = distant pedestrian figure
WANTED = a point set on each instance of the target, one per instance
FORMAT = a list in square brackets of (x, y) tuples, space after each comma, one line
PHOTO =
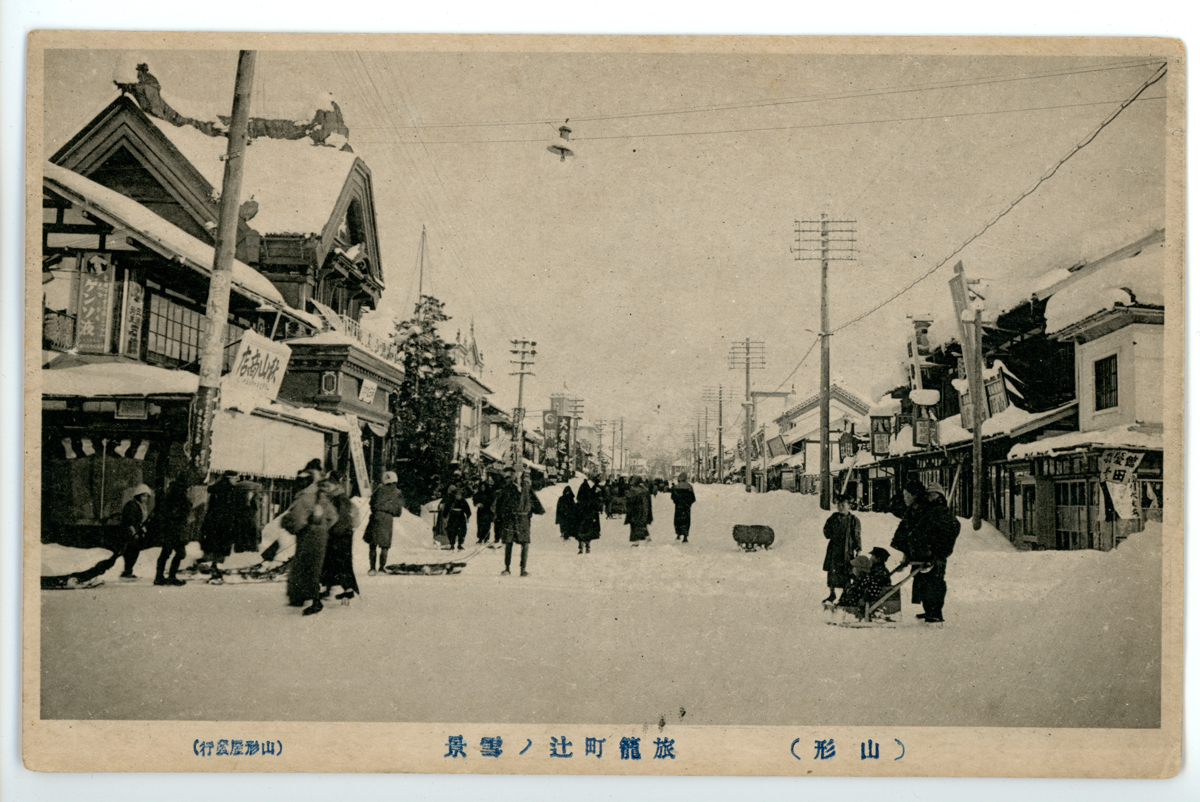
[(588, 506), (309, 519), (844, 533), (387, 503), (134, 515), (639, 512), (338, 568), (566, 516), (683, 496), (458, 512), (514, 508), (485, 512)]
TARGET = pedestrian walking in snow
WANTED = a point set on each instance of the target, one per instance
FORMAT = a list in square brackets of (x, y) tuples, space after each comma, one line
[(588, 506), (387, 503), (457, 512), (485, 512), (683, 497), (309, 519), (927, 534), (247, 517), (844, 533), (171, 520), (639, 512), (338, 568), (220, 523), (565, 516), (134, 515)]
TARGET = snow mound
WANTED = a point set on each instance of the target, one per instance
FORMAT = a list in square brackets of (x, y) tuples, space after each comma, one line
[(1136, 280)]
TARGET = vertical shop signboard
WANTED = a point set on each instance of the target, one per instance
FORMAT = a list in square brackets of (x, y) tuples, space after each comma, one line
[(94, 321)]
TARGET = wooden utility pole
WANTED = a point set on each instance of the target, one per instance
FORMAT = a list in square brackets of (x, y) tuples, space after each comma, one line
[(748, 354), (524, 351), (978, 399), (212, 349), (825, 240)]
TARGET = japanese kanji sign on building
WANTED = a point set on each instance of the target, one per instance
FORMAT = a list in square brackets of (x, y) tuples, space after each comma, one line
[(256, 373)]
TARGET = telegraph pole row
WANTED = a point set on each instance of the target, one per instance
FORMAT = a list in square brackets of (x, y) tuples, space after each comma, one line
[(750, 355), (718, 394), (524, 351)]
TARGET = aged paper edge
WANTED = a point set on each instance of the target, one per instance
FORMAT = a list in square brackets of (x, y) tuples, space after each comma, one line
[(104, 746)]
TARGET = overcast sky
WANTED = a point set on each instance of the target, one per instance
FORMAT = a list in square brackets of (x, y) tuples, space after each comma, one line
[(636, 263)]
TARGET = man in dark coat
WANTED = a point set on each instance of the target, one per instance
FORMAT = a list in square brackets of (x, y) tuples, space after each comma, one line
[(683, 496), (639, 512), (927, 534), (588, 505), (338, 567), (387, 503), (172, 520), (514, 508), (220, 522)]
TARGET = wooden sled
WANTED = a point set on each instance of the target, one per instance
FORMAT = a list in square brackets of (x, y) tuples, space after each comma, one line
[(883, 613), (425, 569)]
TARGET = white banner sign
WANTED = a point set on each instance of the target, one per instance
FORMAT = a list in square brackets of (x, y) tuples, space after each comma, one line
[(1118, 467), (358, 457), (256, 373), (1124, 502), (366, 393)]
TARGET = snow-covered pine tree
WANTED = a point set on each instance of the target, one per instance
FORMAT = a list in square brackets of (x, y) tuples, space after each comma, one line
[(426, 408)]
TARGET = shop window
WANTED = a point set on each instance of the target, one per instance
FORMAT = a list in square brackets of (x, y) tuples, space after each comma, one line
[(1106, 382), (174, 331)]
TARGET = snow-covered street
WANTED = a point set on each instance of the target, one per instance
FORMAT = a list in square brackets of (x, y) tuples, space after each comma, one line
[(700, 633)]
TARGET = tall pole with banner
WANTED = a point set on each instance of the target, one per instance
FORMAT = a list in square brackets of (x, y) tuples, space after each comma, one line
[(971, 336), (212, 349)]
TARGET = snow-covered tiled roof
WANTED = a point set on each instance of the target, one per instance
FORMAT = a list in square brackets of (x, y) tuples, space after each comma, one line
[(295, 182), (1134, 280), (127, 213), (1128, 436)]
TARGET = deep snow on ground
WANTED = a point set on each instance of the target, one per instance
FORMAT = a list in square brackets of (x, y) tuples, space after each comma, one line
[(627, 635)]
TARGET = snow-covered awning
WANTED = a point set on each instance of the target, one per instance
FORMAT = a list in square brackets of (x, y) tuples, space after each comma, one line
[(262, 446), (153, 231), (125, 379), (1129, 436), (1012, 422), (1135, 280)]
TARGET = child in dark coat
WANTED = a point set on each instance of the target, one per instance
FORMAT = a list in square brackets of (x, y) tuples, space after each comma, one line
[(844, 533)]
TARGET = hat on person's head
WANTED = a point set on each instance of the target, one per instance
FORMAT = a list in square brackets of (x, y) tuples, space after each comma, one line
[(142, 490), (881, 554), (935, 489), (683, 477), (314, 464), (914, 486), (861, 561), (390, 478)]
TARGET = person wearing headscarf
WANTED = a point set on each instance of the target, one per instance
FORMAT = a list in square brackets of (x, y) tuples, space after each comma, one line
[(588, 505), (683, 497), (387, 503), (485, 509), (639, 512), (565, 516), (134, 515)]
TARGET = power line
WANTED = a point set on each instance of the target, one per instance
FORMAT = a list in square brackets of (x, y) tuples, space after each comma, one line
[(767, 103), (1158, 75), (876, 121)]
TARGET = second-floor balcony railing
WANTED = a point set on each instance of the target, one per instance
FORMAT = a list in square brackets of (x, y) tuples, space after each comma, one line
[(376, 345)]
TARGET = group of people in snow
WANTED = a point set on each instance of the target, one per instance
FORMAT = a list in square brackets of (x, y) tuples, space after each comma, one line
[(925, 536), (578, 515)]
